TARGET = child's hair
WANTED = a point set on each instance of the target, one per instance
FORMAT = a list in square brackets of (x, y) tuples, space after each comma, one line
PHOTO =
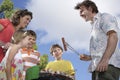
[(55, 46), (18, 36), (31, 33)]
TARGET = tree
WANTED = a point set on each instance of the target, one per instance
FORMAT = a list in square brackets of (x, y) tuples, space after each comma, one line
[(6, 8), (43, 61)]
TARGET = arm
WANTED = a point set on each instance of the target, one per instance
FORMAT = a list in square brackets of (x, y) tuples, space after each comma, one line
[(9, 61), (5, 45), (1, 27), (111, 46), (4, 24), (1, 42), (71, 70)]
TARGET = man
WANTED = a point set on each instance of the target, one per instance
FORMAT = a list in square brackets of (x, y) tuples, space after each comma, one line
[(104, 50)]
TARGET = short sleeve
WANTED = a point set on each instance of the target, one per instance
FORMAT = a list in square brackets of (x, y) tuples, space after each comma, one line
[(72, 72), (4, 22), (109, 23)]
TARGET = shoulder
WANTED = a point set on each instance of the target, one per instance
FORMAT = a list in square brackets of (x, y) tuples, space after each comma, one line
[(12, 52), (13, 49), (50, 64), (37, 52), (106, 16), (67, 61), (1, 20), (108, 19), (4, 22)]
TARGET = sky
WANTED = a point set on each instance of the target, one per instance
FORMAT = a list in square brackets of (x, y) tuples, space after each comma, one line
[(54, 19)]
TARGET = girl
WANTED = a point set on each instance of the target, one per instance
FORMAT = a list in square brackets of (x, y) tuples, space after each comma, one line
[(13, 57)]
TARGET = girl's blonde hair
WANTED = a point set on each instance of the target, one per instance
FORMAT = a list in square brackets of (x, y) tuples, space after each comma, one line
[(18, 36)]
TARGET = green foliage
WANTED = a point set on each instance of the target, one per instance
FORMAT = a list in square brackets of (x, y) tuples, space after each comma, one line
[(43, 61), (8, 14), (7, 7), (35, 47)]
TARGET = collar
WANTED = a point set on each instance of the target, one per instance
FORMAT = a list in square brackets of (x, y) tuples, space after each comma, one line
[(96, 17), (29, 51)]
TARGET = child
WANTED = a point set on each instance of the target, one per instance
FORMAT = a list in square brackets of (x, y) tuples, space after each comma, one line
[(63, 66), (30, 56), (12, 61)]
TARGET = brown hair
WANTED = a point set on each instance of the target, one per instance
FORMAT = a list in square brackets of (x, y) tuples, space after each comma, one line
[(55, 46), (87, 4), (20, 13), (31, 33), (18, 36)]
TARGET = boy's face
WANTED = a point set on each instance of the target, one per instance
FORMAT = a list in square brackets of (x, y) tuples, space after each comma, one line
[(32, 40), (57, 53), (25, 42)]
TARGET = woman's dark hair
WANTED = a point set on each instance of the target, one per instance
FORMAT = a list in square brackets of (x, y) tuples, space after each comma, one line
[(20, 13), (88, 4)]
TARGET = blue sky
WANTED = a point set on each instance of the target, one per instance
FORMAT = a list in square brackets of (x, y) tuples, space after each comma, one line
[(54, 19)]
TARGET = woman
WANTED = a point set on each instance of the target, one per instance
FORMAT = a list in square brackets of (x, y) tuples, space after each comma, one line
[(19, 20)]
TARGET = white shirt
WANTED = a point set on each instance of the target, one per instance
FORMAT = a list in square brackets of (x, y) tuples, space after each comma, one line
[(101, 25)]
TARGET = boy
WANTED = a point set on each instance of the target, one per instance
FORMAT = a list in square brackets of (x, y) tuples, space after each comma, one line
[(30, 56), (59, 65)]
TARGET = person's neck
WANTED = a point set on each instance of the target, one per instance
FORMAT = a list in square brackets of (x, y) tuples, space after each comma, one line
[(29, 48), (17, 27), (18, 46), (59, 58), (92, 16)]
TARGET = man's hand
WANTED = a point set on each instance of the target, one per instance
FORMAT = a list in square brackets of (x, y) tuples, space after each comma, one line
[(103, 65), (85, 57)]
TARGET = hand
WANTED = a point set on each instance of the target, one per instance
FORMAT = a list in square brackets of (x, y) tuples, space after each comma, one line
[(103, 65), (85, 57), (7, 45)]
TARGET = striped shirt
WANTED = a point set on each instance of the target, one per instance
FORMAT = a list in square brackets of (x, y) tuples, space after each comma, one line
[(30, 57)]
